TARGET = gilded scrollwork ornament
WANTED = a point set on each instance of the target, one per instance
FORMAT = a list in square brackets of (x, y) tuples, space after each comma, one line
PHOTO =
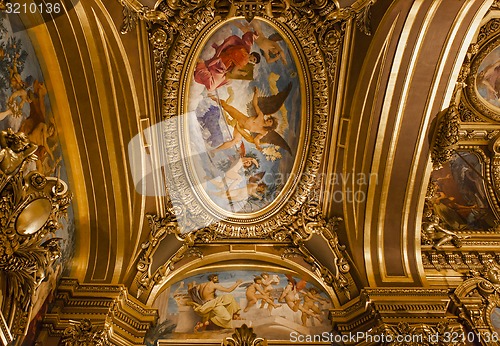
[(160, 40), (486, 32), (301, 227), (495, 165), (445, 137), (474, 300), (160, 228), (31, 206), (416, 334), (133, 10), (84, 333), (467, 115), (244, 336)]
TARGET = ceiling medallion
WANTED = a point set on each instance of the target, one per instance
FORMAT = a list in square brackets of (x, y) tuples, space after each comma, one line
[(482, 81), (244, 123)]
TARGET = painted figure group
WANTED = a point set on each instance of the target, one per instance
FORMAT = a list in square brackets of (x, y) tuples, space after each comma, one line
[(218, 311)]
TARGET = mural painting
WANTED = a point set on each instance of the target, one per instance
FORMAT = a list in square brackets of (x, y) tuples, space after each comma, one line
[(246, 95), (209, 306), (460, 201), (488, 78), (25, 106)]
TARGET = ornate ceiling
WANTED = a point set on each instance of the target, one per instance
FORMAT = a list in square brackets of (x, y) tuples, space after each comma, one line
[(347, 181)]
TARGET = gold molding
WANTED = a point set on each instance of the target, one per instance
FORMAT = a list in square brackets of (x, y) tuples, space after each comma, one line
[(488, 39), (83, 333), (299, 229), (125, 319), (424, 309), (474, 300)]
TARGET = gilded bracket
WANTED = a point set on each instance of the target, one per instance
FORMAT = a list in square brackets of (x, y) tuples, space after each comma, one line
[(31, 205), (445, 137), (300, 229), (244, 336), (84, 333), (474, 300)]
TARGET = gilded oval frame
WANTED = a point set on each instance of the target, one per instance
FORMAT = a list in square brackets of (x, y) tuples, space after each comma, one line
[(309, 61), (478, 102)]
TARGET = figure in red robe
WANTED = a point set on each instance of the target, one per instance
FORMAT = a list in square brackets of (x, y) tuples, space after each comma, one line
[(231, 56)]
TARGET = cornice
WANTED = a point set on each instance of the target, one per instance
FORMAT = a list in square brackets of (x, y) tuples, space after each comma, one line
[(125, 319)]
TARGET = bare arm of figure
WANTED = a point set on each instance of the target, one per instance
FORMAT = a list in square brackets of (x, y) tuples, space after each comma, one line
[(256, 141), (228, 289)]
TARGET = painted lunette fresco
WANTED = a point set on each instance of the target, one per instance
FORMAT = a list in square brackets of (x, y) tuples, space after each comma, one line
[(246, 97), (209, 305), (461, 202), (25, 107)]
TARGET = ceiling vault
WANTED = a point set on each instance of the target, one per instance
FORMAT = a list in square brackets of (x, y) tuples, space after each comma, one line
[(250, 172)]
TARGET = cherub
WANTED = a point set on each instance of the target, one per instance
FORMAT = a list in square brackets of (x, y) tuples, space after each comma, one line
[(311, 296), (255, 292), (290, 294), (267, 285), (233, 173), (439, 235), (269, 46), (39, 136)]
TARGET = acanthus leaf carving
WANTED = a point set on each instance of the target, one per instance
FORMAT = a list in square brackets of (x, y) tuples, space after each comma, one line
[(84, 333), (475, 299), (244, 336), (31, 205), (421, 333), (495, 165), (445, 137), (130, 19), (363, 20)]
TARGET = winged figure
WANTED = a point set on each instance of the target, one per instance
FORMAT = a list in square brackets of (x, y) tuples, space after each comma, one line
[(259, 126)]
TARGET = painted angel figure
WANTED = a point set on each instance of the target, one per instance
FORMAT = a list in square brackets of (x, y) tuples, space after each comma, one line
[(260, 125), (269, 46), (290, 294), (309, 307)]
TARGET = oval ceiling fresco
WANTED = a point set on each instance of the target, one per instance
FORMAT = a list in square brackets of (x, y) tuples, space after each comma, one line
[(488, 79), (244, 105)]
